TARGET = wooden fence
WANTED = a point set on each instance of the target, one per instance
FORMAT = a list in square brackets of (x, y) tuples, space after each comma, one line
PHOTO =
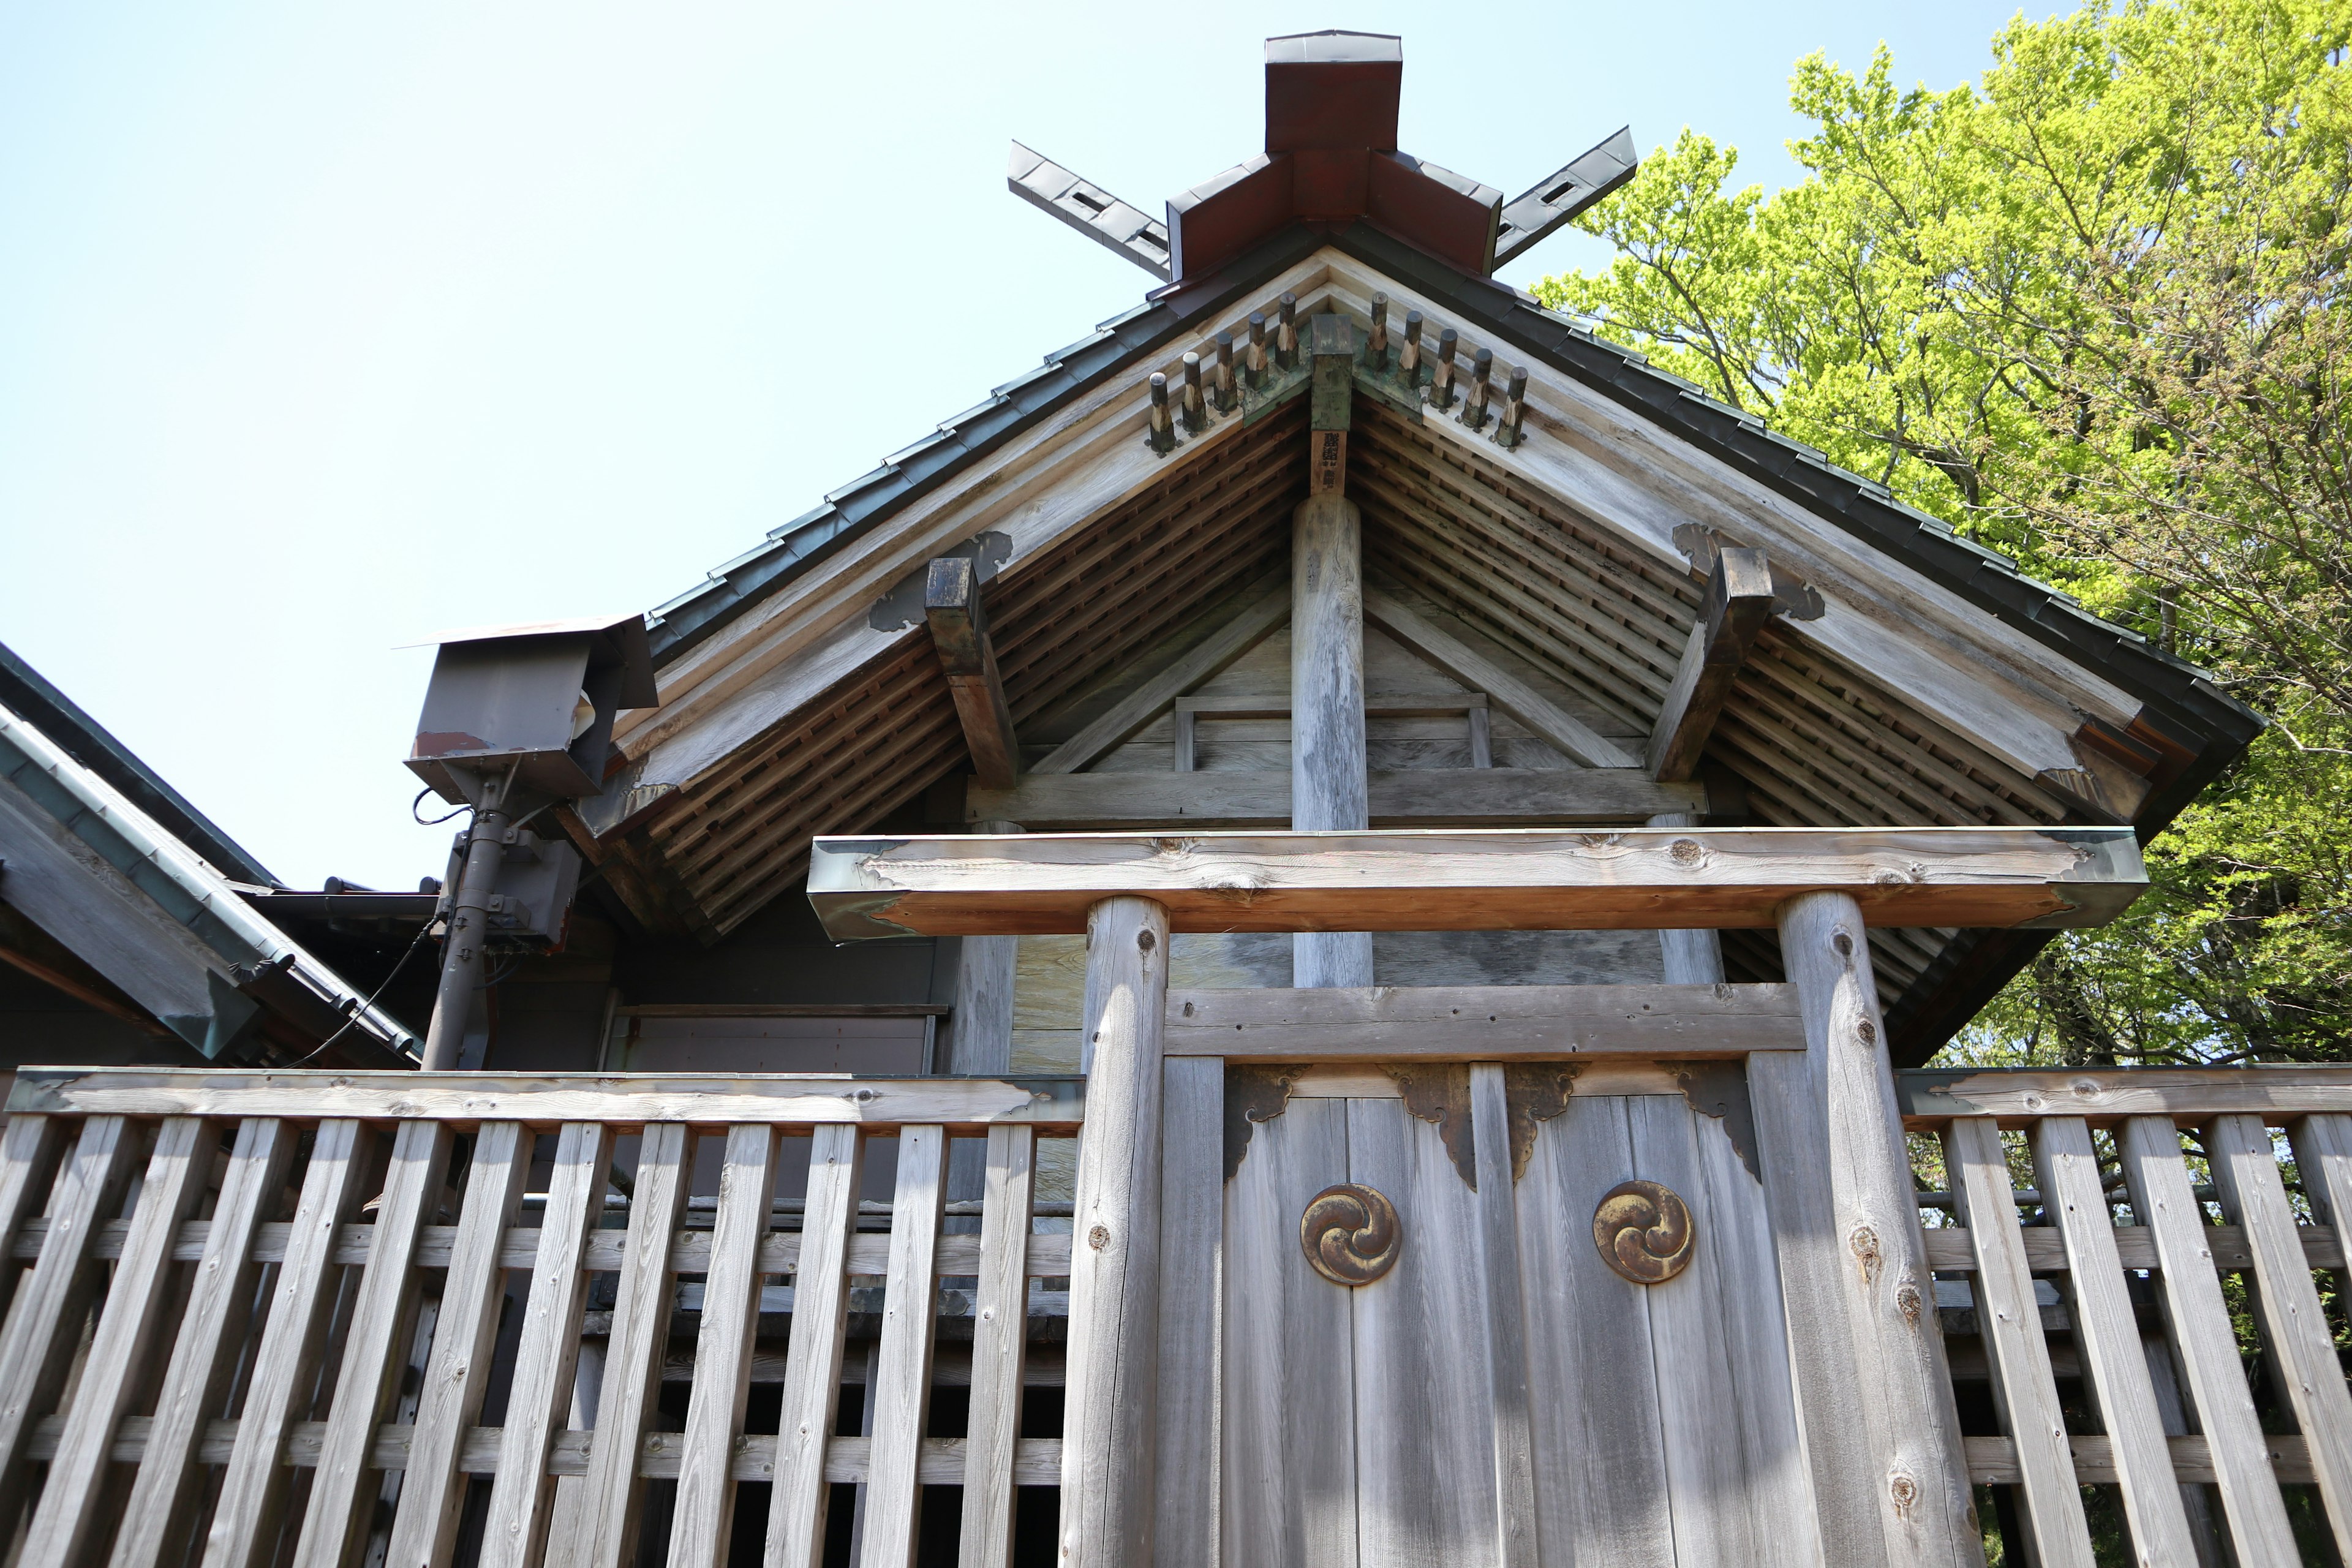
[(2156, 1326), (265, 1322)]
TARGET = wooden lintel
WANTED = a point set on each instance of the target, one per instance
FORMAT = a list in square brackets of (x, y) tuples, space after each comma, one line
[(1412, 797), (2020, 1095), (959, 631), (1483, 1023), (1472, 879), (1739, 603)]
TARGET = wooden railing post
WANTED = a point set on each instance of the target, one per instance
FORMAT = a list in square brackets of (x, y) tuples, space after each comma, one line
[(1108, 1426), (1890, 1479)]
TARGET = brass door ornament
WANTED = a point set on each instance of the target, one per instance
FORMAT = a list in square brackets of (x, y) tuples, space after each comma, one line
[(1643, 1232), (1350, 1234)]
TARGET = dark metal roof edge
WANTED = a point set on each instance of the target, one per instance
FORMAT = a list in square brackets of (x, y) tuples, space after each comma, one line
[(2173, 687), (32, 698), (935, 459)]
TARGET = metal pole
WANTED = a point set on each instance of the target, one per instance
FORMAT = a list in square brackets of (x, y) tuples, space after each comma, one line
[(470, 925)]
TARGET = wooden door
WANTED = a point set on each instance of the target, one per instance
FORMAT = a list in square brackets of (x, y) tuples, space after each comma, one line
[(1358, 1423)]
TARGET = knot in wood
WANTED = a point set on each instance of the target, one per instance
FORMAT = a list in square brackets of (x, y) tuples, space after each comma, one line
[(1685, 852), (1868, 1030), (1644, 1232), (1842, 945), (1350, 1234), (1098, 1237), (1907, 1302), (1863, 1241), (1903, 1489), (1145, 941)]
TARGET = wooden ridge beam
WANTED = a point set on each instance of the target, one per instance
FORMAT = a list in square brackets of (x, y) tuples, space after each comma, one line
[(1738, 604), (959, 631), (1472, 879), (1483, 1023), (1409, 797)]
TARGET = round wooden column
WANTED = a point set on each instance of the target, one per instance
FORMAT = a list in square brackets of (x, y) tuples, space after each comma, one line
[(1328, 788), (1110, 1414)]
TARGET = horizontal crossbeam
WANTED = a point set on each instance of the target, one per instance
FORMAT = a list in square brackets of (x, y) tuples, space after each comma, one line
[(1420, 797), (1497, 880), (1483, 1023)]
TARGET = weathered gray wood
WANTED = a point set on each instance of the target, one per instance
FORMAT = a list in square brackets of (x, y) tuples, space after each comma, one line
[(605, 1533), (1482, 737), (703, 1515), (2161, 1201), (1598, 1442), (1192, 1306), (1114, 1337), (1503, 687), (979, 1030), (1889, 1478), (28, 1160), (813, 1371), (1480, 797), (623, 1101), (1483, 1023), (952, 606), (1425, 1406), (1504, 878), (251, 1500), (1266, 608), (2106, 1097), (1691, 957), (458, 1376), (1739, 603), (1992, 1461), (999, 1346), (1287, 1480), (2009, 1319), (2107, 1331), (45, 1320), (1327, 772), (211, 1333), (375, 1344), (128, 1341), (1506, 1352), (538, 1399), (2294, 1328), (903, 1373), (1950, 1250)]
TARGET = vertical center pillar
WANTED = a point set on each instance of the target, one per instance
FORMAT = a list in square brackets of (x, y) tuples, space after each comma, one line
[(1327, 784)]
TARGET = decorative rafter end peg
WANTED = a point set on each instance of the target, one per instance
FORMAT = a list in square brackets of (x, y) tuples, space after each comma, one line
[(1196, 408), (1221, 379), (1285, 331), (1482, 372), (1441, 390), (1409, 357), (1377, 349), (1515, 408), (1257, 347), (1161, 433)]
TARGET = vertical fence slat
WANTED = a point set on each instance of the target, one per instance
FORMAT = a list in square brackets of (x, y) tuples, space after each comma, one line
[(43, 1323), (2161, 1199), (253, 1485), (220, 1302), (705, 1510), (1000, 1341), (376, 1346), (458, 1371), (123, 1346), (2253, 1194), (540, 1397), (2009, 1316), (812, 1362), (606, 1534), (910, 1306), (2107, 1332), (29, 1153)]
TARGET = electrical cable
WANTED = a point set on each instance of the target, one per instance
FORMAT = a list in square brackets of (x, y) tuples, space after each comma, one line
[(422, 931), (431, 822)]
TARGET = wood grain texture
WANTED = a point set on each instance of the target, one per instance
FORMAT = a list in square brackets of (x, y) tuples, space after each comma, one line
[(623, 1101), (212, 1332), (1191, 1301), (2008, 1317), (540, 1396), (999, 1348), (251, 1500), (2104, 1096), (959, 626), (1512, 1453), (1739, 603), (375, 1344), (1108, 1459), (1327, 782), (2149, 1147), (1890, 1483), (1395, 798), (604, 1535), (2106, 1332), (1689, 957), (902, 1393), (797, 1503), (1286, 1496), (702, 1516), (1483, 1023), (2294, 1328), (1425, 1403), (1501, 879), (131, 1336)]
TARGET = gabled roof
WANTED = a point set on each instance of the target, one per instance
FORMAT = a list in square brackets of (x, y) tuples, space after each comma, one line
[(1944, 685)]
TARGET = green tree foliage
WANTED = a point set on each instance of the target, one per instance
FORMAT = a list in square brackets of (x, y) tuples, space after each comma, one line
[(2086, 310)]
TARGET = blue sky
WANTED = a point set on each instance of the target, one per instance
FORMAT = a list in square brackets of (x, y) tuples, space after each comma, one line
[(303, 306)]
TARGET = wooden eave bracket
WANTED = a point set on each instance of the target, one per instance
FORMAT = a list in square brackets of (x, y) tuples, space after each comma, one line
[(1738, 604), (951, 608)]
